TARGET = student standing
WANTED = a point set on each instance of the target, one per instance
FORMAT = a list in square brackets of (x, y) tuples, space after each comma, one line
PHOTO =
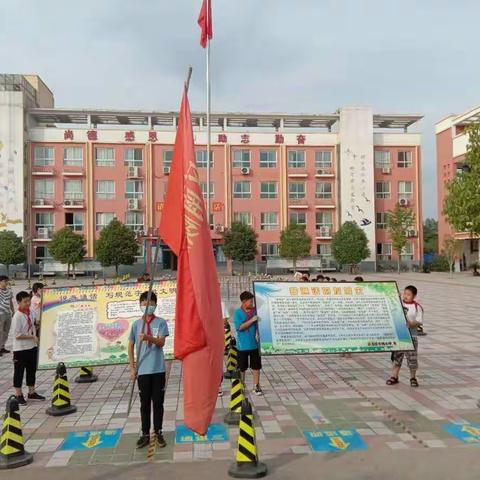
[(37, 289), (6, 312)]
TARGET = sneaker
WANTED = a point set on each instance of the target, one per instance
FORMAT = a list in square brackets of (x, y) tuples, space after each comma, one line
[(161, 441), (258, 390), (35, 396), (4, 350), (21, 400), (143, 441)]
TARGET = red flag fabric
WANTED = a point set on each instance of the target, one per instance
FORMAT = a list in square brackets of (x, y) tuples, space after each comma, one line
[(198, 316), (205, 22)]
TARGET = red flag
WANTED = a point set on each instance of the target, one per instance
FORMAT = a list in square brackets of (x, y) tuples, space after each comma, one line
[(205, 22), (198, 318)]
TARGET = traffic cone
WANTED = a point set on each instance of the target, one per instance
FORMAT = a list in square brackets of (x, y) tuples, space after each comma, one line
[(232, 361), (236, 398), (12, 450), (86, 375), (61, 394), (228, 336), (247, 464)]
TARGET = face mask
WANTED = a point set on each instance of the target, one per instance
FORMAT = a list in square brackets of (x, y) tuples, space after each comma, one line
[(150, 309)]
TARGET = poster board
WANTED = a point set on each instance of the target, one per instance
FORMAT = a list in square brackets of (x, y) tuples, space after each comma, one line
[(90, 325), (297, 317)]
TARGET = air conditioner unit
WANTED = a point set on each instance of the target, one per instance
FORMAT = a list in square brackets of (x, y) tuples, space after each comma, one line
[(321, 171), (42, 232), (324, 231), (132, 204), (39, 201), (166, 170), (411, 233), (386, 170), (245, 171), (219, 228), (133, 172), (403, 202), (67, 202)]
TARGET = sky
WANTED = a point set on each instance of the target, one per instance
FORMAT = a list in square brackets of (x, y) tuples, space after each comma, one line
[(295, 56)]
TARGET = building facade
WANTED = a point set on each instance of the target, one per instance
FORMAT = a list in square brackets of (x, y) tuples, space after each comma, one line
[(452, 141), (82, 168)]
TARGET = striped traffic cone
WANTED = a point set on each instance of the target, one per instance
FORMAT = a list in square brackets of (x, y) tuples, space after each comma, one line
[(86, 375), (247, 464), (61, 394), (236, 398), (228, 337), (12, 450), (232, 361)]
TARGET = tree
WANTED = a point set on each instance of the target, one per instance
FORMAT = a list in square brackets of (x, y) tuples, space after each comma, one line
[(295, 243), (451, 249), (12, 250), (240, 243), (398, 222), (67, 247), (350, 245), (462, 202), (116, 245), (430, 236)]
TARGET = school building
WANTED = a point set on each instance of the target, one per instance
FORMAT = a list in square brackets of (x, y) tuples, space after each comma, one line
[(82, 168), (452, 141)]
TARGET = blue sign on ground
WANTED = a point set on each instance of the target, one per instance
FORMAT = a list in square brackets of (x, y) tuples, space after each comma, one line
[(216, 433), (92, 440), (335, 440), (467, 432)]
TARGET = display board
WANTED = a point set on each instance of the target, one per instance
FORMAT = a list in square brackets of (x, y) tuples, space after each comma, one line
[(90, 325), (298, 317)]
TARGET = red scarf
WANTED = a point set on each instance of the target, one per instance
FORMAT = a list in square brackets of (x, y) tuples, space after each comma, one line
[(26, 312), (148, 321)]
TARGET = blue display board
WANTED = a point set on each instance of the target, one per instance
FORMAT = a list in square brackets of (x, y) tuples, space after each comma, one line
[(216, 433), (335, 440), (92, 440), (466, 433)]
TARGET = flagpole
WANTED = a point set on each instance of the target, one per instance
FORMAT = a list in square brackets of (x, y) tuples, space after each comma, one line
[(208, 118)]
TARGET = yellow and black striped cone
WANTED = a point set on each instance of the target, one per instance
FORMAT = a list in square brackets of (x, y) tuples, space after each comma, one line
[(61, 394), (228, 337), (247, 464), (232, 361), (236, 398), (86, 375), (12, 450)]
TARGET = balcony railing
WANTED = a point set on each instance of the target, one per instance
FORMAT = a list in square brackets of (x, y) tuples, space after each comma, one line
[(43, 202), (43, 233), (324, 231)]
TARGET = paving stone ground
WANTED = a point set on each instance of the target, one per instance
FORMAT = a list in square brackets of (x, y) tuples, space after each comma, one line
[(302, 393)]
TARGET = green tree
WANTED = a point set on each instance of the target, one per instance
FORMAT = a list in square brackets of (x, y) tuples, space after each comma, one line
[(398, 222), (240, 243), (116, 245), (12, 250), (462, 202), (295, 243), (430, 236), (67, 247), (350, 245), (451, 250)]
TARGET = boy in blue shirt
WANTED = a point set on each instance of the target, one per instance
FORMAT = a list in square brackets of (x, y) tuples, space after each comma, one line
[(147, 337), (245, 321)]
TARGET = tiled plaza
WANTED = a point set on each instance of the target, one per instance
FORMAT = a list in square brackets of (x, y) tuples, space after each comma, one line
[(302, 393)]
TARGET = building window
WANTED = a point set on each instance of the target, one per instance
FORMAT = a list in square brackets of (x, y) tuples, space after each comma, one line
[(323, 159), (268, 159), (243, 217), (296, 190), (407, 252), (74, 221), (73, 156), (105, 157), (405, 190), (404, 159), (105, 189), (268, 190), (300, 218), (382, 159), (324, 250), (167, 158), (203, 186), (72, 190), (201, 158), (384, 251), (241, 159), (269, 250), (296, 159), (323, 190), (43, 156), (242, 190), (134, 189), (44, 225), (134, 221), (269, 221), (103, 219), (44, 189), (42, 254), (382, 190), (382, 220), (133, 157), (324, 220)]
